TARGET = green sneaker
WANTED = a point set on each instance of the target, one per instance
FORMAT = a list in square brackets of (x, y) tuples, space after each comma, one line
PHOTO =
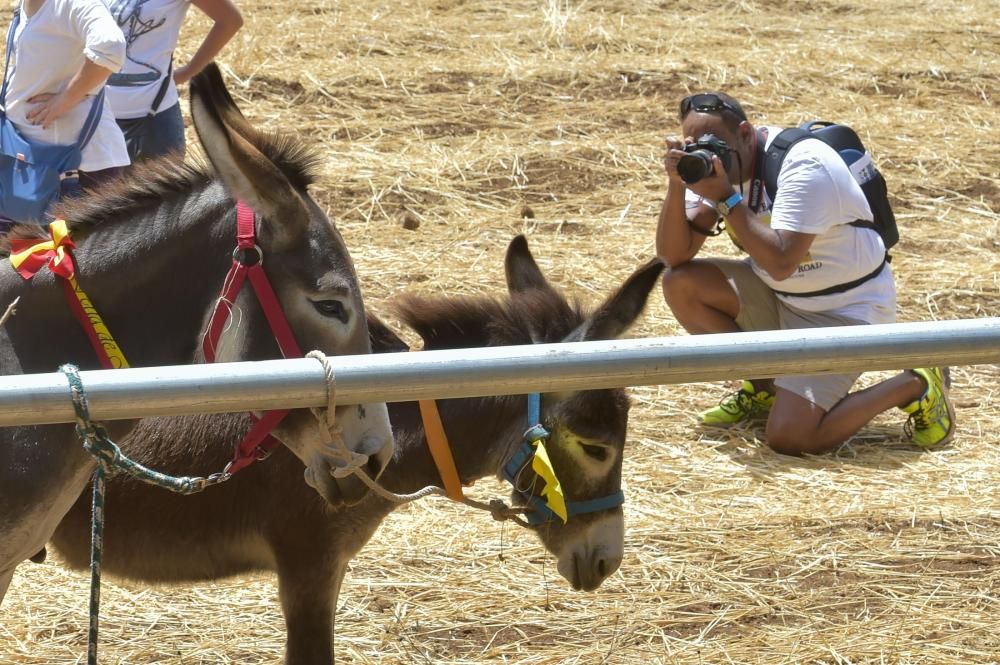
[(744, 404), (932, 417)]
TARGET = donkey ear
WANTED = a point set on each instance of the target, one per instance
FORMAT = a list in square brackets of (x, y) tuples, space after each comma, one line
[(620, 311), (382, 338), (523, 274), (247, 173)]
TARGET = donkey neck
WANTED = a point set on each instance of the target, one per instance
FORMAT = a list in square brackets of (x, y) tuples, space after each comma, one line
[(150, 277), (482, 433)]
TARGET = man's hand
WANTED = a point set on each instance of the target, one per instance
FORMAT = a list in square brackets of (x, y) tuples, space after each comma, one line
[(715, 186), (674, 151), (48, 108)]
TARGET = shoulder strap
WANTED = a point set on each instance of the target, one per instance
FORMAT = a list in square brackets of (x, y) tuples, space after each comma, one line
[(775, 155), (14, 20), (93, 119), (162, 92)]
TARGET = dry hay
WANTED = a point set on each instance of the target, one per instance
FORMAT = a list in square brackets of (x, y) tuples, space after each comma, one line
[(473, 121)]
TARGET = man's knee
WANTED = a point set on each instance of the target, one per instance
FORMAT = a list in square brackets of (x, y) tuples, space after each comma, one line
[(680, 286), (791, 433), (787, 441)]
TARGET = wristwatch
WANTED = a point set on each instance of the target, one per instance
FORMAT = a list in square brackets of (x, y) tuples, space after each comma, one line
[(725, 207)]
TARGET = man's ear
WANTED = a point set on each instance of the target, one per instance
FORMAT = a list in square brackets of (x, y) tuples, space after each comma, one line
[(745, 131)]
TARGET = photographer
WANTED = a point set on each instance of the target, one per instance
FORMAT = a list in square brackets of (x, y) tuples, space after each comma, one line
[(808, 266)]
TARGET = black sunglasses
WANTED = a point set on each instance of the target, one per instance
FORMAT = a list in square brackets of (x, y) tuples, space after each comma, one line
[(708, 102)]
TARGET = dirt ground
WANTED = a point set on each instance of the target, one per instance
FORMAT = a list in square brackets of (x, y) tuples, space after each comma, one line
[(476, 121)]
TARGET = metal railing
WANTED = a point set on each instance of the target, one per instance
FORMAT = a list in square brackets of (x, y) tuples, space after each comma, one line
[(263, 385)]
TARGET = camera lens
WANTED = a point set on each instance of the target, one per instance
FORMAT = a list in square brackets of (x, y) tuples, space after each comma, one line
[(694, 166)]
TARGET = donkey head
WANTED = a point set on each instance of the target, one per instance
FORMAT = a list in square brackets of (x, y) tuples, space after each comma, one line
[(310, 269), (587, 428)]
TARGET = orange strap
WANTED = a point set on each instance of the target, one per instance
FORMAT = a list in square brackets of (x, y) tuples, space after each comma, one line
[(437, 442)]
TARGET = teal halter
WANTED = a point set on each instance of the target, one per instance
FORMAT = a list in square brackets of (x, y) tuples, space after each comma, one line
[(540, 512)]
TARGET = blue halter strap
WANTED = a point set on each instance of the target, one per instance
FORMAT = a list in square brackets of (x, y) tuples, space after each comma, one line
[(540, 512)]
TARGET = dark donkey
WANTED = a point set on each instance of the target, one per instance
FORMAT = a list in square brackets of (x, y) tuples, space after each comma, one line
[(151, 254), (263, 519)]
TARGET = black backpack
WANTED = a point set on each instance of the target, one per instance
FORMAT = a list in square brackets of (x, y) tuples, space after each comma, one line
[(848, 145)]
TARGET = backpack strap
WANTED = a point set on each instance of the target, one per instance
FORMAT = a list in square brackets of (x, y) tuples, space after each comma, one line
[(775, 155)]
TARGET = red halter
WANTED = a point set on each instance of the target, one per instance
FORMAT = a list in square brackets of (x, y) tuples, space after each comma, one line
[(248, 259)]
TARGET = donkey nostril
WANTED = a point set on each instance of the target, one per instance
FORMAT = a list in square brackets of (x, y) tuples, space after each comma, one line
[(602, 567), (373, 466)]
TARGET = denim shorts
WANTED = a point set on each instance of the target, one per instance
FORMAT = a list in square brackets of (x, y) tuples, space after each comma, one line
[(154, 135)]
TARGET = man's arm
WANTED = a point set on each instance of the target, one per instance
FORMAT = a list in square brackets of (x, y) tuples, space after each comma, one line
[(778, 252), (676, 242)]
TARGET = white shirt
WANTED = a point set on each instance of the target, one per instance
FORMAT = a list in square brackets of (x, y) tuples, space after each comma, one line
[(49, 48), (817, 194), (151, 29)]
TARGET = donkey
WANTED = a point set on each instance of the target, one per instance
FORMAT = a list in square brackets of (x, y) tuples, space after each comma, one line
[(151, 253), (264, 520)]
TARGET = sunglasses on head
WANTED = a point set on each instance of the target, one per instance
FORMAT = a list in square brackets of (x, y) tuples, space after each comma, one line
[(708, 102)]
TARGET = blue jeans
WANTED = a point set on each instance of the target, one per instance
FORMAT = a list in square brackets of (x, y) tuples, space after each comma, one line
[(154, 135)]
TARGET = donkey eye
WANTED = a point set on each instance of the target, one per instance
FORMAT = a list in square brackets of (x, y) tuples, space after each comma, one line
[(332, 309), (599, 453)]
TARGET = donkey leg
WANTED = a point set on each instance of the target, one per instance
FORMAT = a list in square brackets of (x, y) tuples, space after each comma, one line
[(308, 592), (5, 578)]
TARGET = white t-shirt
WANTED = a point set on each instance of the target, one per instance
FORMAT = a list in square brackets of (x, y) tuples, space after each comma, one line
[(817, 194), (151, 29), (49, 48)]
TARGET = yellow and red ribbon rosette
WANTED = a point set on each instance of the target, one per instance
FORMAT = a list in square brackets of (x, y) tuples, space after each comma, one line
[(28, 255)]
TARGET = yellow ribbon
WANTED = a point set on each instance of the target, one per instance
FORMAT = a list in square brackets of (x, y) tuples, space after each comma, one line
[(111, 347), (553, 492)]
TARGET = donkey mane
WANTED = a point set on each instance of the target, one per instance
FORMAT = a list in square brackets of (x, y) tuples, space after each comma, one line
[(150, 182), (527, 317)]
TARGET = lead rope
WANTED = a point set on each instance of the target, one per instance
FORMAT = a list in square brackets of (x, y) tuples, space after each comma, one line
[(110, 460), (353, 462)]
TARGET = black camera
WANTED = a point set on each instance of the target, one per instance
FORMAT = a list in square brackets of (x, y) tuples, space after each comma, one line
[(697, 163)]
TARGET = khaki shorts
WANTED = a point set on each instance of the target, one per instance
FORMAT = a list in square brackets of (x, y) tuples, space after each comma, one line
[(760, 309)]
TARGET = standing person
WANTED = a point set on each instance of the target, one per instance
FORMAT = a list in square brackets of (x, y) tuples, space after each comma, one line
[(61, 53), (811, 263), (144, 94)]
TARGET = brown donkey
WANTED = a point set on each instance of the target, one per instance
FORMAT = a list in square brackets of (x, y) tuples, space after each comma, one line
[(151, 253), (265, 520)]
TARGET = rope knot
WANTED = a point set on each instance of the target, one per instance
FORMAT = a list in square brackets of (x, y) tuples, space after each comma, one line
[(347, 461), (105, 451)]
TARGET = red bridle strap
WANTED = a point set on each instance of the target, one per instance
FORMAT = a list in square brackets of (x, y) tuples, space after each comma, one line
[(258, 442)]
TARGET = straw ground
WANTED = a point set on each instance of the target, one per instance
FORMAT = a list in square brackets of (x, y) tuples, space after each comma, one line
[(451, 125)]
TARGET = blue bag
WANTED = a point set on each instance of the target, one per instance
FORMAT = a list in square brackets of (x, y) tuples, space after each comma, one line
[(33, 175)]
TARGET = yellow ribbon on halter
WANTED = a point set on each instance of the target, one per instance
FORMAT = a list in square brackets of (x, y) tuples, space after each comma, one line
[(553, 492)]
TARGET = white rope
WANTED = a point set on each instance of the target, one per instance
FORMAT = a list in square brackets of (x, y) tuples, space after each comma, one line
[(353, 462), (347, 461)]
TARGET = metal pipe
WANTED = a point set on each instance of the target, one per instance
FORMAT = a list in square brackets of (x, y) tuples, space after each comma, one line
[(396, 377)]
